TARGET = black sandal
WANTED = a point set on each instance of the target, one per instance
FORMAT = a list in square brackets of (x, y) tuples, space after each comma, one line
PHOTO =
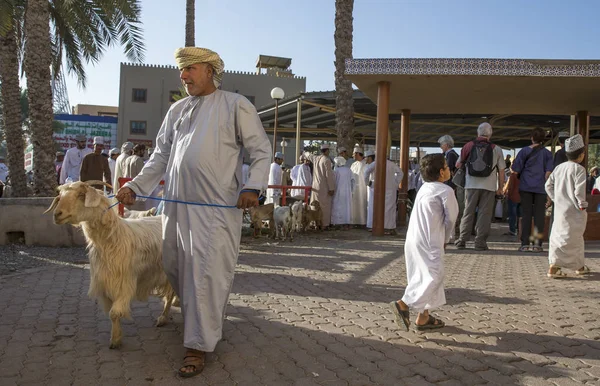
[(401, 316), (432, 324)]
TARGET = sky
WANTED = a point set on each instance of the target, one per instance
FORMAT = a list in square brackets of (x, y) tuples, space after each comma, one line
[(240, 30)]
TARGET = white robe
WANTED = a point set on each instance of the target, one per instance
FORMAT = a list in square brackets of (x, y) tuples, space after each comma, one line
[(119, 169), (301, 176), (275, 178), (72, 163), (566, 187), (359, 194), (341, 211), (111, 166), (200, 147), (430, 226), (393, 177)]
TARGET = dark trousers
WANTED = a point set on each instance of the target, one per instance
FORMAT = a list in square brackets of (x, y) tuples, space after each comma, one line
[(533, 206), (513, 215)]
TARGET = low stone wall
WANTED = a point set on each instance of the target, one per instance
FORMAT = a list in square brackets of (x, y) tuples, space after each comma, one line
[(24, 218)]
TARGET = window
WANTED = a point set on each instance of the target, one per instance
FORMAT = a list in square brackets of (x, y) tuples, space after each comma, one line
[(137, 127), (173, 95), (139, 95)]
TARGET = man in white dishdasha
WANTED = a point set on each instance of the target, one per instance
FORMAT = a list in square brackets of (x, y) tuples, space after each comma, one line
[(200, 148)]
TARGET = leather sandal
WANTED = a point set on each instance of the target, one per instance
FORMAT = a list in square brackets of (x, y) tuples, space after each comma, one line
[(195, 359)]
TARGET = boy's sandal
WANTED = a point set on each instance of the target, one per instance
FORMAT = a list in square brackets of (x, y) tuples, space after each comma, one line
[(525, 248), (536, 249), (432, 324), (401, 316), (558, 274), (584, 271)]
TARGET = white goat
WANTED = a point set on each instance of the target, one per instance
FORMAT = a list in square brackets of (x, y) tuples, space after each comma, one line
[(283, 218), (125, 255), (298, 212)]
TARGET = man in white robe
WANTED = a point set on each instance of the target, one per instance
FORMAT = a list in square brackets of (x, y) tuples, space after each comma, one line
[(429, 229), (200, 147), (368, 180), (126, 152), (275, 178), (341, 211), (301, 176), (393, 177), (71, 166), (323, 186), (113, 154), (359, 193), (566, 187)]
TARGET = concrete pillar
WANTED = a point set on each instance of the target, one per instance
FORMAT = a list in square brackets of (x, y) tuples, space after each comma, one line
[(404, 164), (381, 142), (299, 150), (583, 128)]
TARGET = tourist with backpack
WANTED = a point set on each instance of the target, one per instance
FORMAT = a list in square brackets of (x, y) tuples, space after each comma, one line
[(484, 165), (533, 164)]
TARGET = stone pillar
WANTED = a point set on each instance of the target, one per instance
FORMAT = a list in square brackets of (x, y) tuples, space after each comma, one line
[(381, 141)]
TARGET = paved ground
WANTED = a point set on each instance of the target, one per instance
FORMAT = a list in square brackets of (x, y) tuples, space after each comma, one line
[(315, 312)]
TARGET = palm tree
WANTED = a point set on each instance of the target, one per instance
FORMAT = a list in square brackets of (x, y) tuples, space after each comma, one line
[(344, 103), (11, 111), (190, 23), (82, 30)]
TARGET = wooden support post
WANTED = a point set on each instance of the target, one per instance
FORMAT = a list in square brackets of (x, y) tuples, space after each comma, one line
[(298, 125), (381, 142), (583, 128), (404, 164)]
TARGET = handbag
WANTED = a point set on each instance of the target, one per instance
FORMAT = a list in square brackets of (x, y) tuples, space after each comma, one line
[(459, 177)]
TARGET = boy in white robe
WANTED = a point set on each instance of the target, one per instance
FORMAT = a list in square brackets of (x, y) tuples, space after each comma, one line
[(341, 211), (566, 187), (275, 178), (430, 227)]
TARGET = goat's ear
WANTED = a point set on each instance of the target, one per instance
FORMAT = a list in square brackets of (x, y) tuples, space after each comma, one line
[(53, 205), (92, 198)]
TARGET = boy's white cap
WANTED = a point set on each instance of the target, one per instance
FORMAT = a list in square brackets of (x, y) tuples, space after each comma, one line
[(574, 143), (369, 153)]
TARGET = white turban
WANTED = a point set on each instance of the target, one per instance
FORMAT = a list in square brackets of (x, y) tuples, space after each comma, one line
[(339, 161), (191, 55)]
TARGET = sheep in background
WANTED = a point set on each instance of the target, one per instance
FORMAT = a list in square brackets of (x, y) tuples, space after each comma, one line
[(125, 254), (313, 212), (138, 213), (261, 213), (298, 211), (283, 217)]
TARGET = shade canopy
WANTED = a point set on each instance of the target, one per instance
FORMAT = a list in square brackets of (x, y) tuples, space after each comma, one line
[(482, 86)]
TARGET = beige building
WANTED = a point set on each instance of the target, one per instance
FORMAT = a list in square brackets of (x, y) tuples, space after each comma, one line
[(146, 93), (96, 110)]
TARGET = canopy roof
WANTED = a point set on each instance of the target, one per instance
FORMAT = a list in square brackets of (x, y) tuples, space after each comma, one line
[(482, 86), (318, 122), (265, 61)]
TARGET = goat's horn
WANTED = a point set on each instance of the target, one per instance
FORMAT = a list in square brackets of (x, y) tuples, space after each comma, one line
[(97, 182)]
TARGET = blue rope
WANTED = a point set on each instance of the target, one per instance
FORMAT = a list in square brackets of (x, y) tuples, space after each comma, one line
[(176, 201)]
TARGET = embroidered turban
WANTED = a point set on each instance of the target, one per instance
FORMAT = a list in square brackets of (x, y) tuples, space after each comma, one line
[(191, 55)]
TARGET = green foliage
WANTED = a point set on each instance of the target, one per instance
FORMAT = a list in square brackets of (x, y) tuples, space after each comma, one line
[(182, 94), (593, 156)]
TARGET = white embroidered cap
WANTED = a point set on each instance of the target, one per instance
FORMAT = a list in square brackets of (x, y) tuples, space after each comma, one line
[(358, 149), (574, 143), (369, 153), (324, 146)]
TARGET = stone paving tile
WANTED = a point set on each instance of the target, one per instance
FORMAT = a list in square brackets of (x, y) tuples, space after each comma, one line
[(314, 312)]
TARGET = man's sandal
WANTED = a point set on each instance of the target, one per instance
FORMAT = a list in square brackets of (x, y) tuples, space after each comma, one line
[(431, 324), (558, 274), (583, 271), (401, 316), (195, 359)]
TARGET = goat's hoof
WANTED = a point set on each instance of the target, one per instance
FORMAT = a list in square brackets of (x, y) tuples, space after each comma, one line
[(115, 345), (161, 321)]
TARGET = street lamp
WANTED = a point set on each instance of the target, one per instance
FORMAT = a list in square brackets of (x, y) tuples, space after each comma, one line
[(277, 94), (283, 144)]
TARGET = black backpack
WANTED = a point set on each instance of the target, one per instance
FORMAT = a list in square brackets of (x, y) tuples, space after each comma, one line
[(481, 159)]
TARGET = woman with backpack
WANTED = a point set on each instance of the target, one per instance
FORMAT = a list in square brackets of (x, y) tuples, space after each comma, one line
[(533, 166)]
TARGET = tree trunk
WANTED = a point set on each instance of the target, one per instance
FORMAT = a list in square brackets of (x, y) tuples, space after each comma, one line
[(38, 57), (344, 114), (190, 23), (10, 99)]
